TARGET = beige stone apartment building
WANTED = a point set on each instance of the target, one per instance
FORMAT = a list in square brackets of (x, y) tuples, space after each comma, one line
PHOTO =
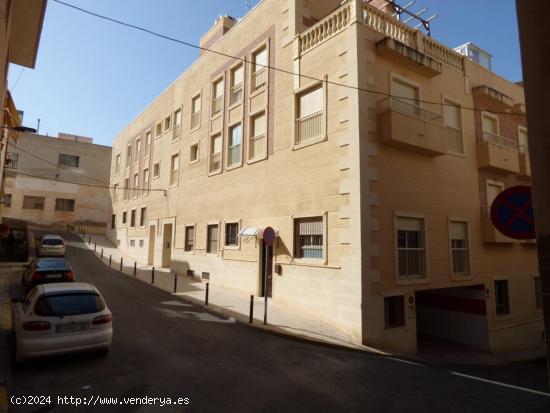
[(360, 147), (58, 182)]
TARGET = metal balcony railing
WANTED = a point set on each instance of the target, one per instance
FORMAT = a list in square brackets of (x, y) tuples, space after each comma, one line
[(309, 127), (217, 105), (405, 107), (257, 146), (488, 137), (234, 154), (454, 139), (259, 78), (236, 94), (11, 160), (215, 162), (412, 262)]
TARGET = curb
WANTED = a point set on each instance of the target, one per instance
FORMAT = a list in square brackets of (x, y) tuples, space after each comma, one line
[(269, 329)]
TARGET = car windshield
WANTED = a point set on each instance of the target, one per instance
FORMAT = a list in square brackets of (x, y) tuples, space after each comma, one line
[(52, 241), (50, 264), (70, 303)]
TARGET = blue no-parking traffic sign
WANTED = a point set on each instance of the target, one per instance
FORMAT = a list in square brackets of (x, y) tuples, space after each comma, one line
[(512, 213)]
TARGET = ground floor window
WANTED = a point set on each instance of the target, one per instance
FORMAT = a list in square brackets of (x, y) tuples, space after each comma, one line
[(394, 311), (189, 238), (64, 204), (231, 234), (33, 202), (308, 237), (411, 253), (212, 239), (502, 297)]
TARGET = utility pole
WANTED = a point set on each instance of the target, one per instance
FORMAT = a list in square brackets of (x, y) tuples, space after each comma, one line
[(534, 33)]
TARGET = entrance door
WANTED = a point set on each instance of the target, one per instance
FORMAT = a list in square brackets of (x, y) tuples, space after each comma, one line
[(269, 270), (166, 245), (151, 255)]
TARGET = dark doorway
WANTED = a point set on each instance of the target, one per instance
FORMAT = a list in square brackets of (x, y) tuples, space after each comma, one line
[(269, 270)]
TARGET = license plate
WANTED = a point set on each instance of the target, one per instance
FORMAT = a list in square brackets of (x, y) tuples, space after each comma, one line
[(67, 328), (53, 276)]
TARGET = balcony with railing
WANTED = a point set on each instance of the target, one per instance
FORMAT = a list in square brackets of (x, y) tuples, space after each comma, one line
[(215, 162), (234, 155), (487, 95), (409, 57), (411, 263), (257, 147), (489, 233), (309, 128), (497, 153), (408, 126), (259, 78), (195, 119), (217, 105), (11, 160), (236, 94)]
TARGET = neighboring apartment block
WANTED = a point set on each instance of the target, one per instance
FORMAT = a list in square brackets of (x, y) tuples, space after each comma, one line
[(369, 163), (64, 183)]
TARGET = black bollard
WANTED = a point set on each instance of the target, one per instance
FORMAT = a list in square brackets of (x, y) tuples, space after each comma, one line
[(175, 283), (153, 275), (251, 318), (101, 254), (206, 297), (135, 268), (120, 263), (110, 258)]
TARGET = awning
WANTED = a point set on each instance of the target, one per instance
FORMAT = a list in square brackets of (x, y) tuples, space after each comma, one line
[(11, 119), (253, 232)]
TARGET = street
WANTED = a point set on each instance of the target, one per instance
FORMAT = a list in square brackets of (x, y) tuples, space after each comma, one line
[(166, 347)]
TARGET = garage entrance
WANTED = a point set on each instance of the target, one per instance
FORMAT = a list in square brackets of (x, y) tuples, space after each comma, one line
[(453, 314)]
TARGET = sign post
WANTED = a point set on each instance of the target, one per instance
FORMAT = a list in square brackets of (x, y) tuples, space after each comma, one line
[(269, 238)]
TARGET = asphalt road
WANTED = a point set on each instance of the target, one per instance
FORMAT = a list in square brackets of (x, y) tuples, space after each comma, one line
[(166, 347)]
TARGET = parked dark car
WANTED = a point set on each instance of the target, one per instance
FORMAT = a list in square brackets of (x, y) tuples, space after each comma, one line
[(47, 270)]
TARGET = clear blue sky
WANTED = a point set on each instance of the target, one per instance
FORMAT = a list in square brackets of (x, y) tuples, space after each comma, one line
[(93, 77)]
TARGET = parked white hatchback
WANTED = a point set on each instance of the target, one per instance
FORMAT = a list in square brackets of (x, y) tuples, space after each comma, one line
[(61, 318), (51, 246)]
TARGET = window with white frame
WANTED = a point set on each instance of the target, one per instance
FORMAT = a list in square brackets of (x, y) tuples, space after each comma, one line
[(177, 124), (257, 147), (215, 153), (196, 112), (194, 152), (502, 298), (236, 83), (493, 189), (490, 130), (452, 117), (136, 185), (156, 170), (522, 140), (394, 311), (460, 255), (217, 97), (147, 147), (174, 169), (411, 253), (259, 68), (189, 238), (309, 120), (212, 239), (308, 237), (234, 145), (145, 184), (66, 205), (231, 234), (538, 293)]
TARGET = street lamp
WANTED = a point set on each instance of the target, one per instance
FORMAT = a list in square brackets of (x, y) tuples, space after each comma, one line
[(20, 129)]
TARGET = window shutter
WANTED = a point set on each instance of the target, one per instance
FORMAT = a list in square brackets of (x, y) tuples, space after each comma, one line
[(458, 230), (259, 125), (489, 125), (238, 75), (451, 114), (311, 102), (260, 59), (409, 224), (403, 90)]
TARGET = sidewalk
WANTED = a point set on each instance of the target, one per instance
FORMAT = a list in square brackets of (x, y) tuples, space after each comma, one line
[(225, 301)]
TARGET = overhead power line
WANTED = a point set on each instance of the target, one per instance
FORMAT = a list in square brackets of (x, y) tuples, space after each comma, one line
[(277, 69)]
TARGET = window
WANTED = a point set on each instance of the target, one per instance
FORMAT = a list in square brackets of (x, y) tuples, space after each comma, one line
[(212, 239), (236, 91), (141, 243), (215, 153), (460, 255), (308, 237), (394, 311), (68, 160), (196, 112), (142, 216), (117, 164), (138, 149), (126, 189), (231, 232), (147, 147), (489, 128), (177, 124), (493, 189), (7, 200), (156, 170), (453, 126), (33, 202), (309, 121), (145, 185), (132, 243), (174, 169), (522, 140), (538, 293), (115, 193), (189, 238), (217, 97), (502, 299), (411, 255), (113, 221), (158, 129), (257, 147), (64, 204), (259, 69), (124, 214), (167, 123), (136, 185), (234, 147), (194, 152), (133, 218), (128, 155)]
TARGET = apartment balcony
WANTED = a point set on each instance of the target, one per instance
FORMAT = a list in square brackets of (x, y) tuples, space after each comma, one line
[(11, 160), (405, 125), (488, 96), (409, 57), (498, 154), (524, 163), (489, 233)]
